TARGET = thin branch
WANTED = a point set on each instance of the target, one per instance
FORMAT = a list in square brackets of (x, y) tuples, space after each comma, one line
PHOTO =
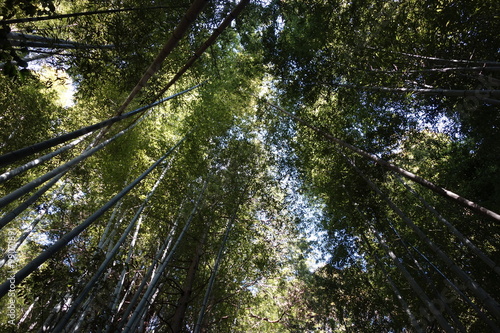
[(95, 12), (407, 174)]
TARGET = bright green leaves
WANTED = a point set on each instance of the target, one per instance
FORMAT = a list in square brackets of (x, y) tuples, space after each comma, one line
[(32, 101)]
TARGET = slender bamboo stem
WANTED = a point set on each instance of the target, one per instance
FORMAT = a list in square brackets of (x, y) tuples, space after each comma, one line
[(160, 257), (11, 157), (110, 256), (64, 240), (137, 312), (199, 52), (178, 33), (70, 15), (454, 230), (443, 301), (415, 286), (399, 296), (12, 173), (489, 302), (407, 174)]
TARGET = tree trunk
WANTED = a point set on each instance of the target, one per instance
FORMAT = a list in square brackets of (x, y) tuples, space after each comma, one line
[(24, 61), (61, 169), (454, 61), (111, 222), (439, 70), (177, 34), (187, 288), (140, 307), (31, 228), (12, 173), (28, 311), (443, 301), (121, 279), (467, 300)]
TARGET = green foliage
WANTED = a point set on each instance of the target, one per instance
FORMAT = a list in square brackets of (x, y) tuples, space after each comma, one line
[(352, 69)]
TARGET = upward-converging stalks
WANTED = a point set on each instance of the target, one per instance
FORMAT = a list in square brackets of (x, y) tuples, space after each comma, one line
[(64, 240), (213, 275), (394, 288), (158, 259), (176, 323), (132, 322), (218, 260), (443, 301), (53, 173), (415, 286), (234, 13), (488, 301), (26, 233), (110, 256), (454, 230)]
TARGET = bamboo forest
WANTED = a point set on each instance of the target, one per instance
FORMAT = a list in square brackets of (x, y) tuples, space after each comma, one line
[(249, 166)]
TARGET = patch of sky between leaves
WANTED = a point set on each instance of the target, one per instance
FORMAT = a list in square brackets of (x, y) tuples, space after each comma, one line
[(306, 209), (57, 79), (310, 214)]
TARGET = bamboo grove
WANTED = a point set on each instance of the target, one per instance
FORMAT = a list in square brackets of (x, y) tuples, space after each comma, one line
[(250, 166)]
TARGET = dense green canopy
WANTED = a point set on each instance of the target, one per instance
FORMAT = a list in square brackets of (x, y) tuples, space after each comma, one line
[(327, 166)]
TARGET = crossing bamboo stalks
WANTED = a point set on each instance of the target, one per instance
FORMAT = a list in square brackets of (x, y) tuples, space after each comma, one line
[(198, 53), (11, 157), (489, 302), (179, 32), (137, 312), (110, 256), (213, 275), (31, 228), (64, 240), (53, 173)]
